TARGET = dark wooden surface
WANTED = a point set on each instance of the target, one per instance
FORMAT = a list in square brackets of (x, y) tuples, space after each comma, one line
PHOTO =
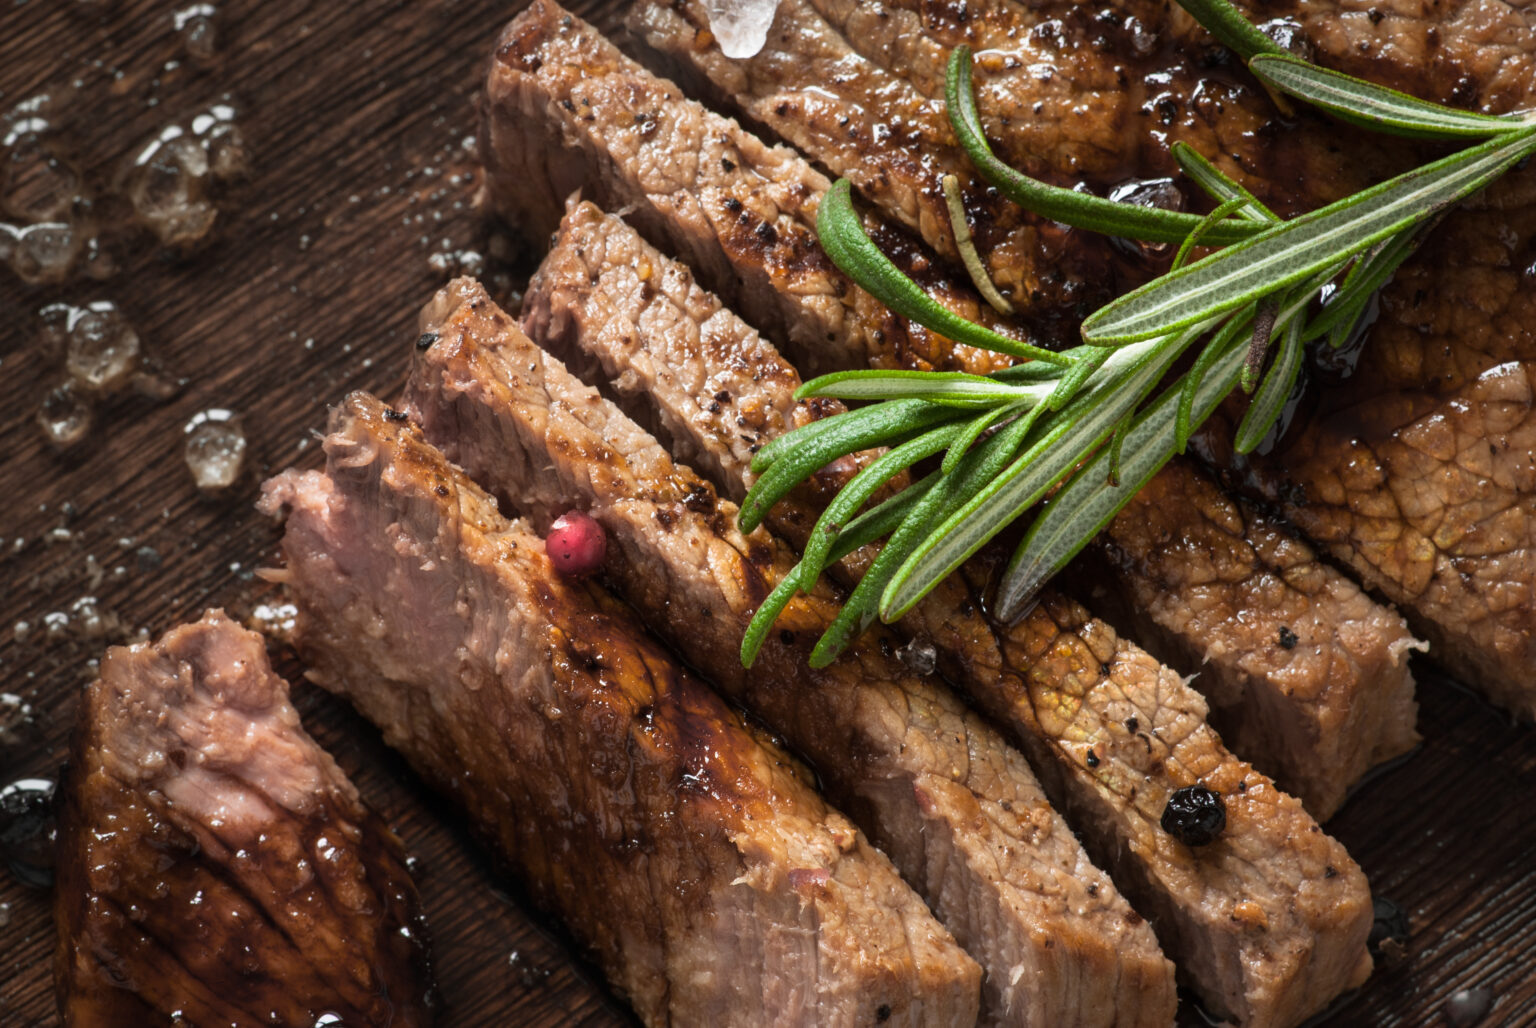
[(355, 115)]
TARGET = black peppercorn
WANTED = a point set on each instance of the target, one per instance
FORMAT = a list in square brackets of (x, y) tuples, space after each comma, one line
[(27, 831), (1194, 815)]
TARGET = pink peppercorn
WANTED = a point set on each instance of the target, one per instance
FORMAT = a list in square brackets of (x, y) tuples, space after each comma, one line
[(576, 544)]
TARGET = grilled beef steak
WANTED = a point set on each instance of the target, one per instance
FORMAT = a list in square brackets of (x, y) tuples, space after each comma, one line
[(958, 811), (810, 88), (1112, 732), (1414, 473), (215, 866), (700, 869), (1127, 79), (1296, 718), (1411, 463)]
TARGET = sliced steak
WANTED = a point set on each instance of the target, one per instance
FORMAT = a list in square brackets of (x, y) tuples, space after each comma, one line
[(1096, 92), (1112, 733), (1467, 53), (1317, 731), (565, 110), (1419, 480), (694, 860), (214, 865), (958, 810), (1412, 463), (807, 302)]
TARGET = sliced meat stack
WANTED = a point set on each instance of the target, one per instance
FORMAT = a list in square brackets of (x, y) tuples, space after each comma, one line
[(957, 809), (215, 866), (1413, 470), (691, 858), (1112, 733), (1319, 721)]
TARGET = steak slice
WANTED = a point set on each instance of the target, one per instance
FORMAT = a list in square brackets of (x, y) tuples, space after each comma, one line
[(1412, 464), (565, 110), (215, 866), (1465, 52), (958, 811), (1305, 673), (1317, 731), (1415, 468), (1111, 732), (1098, 92), (809, 87), (692, 859)]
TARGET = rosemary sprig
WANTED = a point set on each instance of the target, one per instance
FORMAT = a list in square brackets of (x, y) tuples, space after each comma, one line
[(1285, 254), (1079, 422), (842, 235), (1371, 106)]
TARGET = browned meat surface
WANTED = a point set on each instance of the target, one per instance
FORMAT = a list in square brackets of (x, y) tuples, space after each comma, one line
[(958, 811), (1419, 471), (811, 87), (1470, 53), (1416, 469), (700, 869), (1112, 732), (1304, 672), (215, 866), (1097, 91), (565, 110)]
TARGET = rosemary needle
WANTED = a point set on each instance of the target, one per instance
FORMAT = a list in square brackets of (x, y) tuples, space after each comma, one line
[(967, 247)]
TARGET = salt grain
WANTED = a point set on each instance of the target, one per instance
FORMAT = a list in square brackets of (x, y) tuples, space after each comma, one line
[(215, 449)]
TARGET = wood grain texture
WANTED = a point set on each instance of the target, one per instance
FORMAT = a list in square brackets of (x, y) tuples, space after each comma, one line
[(354, 115)]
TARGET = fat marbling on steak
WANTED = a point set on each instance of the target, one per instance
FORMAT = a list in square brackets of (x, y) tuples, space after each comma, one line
[(1111, 731), (1196, 577), (690, 858), (956, 808), (214, 864)]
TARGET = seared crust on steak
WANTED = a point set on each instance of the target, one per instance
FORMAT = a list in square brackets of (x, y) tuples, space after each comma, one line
[(1111, 732), (1417, 472), (214, 864), (565, 110), (693, 860), (810, 88), (958, 810)]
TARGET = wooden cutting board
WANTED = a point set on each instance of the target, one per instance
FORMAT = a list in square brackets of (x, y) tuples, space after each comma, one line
[(355, 118)]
